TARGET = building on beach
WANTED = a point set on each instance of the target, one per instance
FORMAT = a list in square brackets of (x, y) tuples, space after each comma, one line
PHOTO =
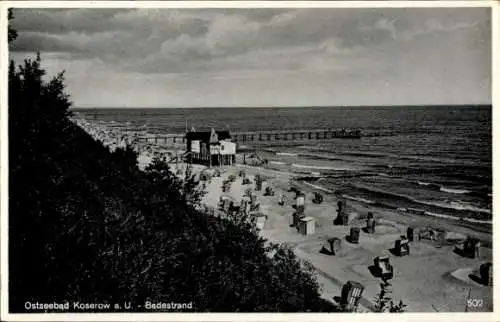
[(212, 148)]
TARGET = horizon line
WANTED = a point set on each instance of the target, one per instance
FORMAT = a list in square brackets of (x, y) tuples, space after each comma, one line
[(297, 106)]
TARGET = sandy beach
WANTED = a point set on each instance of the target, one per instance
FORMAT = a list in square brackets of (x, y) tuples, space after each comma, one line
[(115, 137), (432, 278)]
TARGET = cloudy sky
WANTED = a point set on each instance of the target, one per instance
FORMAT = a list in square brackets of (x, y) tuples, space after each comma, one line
[(263, 57)]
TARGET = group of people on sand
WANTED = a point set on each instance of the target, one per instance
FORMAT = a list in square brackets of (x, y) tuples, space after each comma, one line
[(114, 138), (111, 138)]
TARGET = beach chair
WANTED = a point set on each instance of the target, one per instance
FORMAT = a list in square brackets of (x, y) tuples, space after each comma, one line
[(260, 222), (264, 185), (354, 235), (333, 246), (296, 219), (307, 225), (486, 272), (253, 198), (225, 187), (267, 191), (402, 247), (245, 181), (342, 205), (221, 203), (254, 206), (300, 200), (258, 182), (413, 234), (291, 220), (384, 268), (342, 219), (318, 198), (370, 224), (350, 295), (300, 209), (469, 247)]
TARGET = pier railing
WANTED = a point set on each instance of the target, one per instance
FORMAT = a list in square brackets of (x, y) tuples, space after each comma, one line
[(281, 137), (265, 136), (293, 135)]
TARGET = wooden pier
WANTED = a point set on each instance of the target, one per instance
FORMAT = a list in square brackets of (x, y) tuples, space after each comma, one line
[(265, 136), (295, 135), (163, 139)]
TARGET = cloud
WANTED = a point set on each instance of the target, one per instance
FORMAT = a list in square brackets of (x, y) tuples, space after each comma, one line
[(172, 41), (317, 49)]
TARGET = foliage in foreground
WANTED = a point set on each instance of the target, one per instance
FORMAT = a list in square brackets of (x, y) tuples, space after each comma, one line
[(86, 225), (385, 301)]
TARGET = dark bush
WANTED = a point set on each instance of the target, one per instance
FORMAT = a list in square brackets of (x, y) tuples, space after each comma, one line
[(85, 224)]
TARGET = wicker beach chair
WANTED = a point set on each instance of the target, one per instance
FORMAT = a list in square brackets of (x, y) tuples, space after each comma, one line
[(384, 268), (318, 198)]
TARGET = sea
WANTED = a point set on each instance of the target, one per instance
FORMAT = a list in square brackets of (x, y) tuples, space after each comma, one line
[(434, 160)]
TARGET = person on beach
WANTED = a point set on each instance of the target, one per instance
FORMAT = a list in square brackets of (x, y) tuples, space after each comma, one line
[(281, 201), (477, 247)]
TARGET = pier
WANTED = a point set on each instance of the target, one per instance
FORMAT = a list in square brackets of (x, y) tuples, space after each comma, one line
[(296, 135), (266, 136)]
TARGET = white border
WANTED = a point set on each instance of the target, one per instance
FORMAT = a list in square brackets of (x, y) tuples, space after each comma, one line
[(230, 316)]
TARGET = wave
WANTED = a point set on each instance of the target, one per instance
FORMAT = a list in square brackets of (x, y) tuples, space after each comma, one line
[(303, 166), (318, 187), (277, 162), (453, 205), (321, 157), (411, 210), (419, 211), (287, 154), (371, 202), (365, 154), (455, 191), (441, 188), (428, 213)]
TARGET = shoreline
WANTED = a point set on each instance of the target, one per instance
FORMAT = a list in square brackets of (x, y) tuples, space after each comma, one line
[(352, 264), (334, 271), (146, 151), (480, 227)]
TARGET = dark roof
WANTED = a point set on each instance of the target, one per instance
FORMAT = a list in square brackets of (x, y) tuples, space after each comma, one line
[(205, 136)]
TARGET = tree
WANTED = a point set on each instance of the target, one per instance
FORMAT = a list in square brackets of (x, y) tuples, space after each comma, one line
[(12, 33), (85, 224), (385, 302)]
